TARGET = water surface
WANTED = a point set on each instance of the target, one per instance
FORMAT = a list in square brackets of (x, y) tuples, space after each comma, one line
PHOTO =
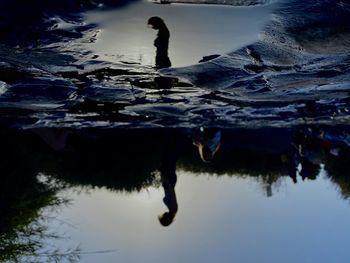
[(227, 218), (196, 31), (267, 195)]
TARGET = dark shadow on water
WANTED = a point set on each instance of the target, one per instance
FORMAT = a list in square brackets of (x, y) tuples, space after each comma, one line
[(128, 160)]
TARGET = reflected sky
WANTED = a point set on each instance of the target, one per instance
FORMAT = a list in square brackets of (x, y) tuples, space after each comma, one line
[(196, 31), (240, 195), (220, 219)]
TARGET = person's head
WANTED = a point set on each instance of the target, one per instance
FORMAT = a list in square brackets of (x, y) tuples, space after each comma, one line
[(156, 22), (166, 219)]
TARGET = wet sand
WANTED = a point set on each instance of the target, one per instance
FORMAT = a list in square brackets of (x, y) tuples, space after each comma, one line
[(196, 31)]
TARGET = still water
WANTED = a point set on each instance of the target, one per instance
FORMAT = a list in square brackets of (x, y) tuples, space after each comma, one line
[(220, 219), (196, 31), (233, 195)]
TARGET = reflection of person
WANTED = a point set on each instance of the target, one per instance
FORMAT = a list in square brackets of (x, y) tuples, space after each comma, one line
[(208, 142), (309, 149), (161, 42), (169, 178)]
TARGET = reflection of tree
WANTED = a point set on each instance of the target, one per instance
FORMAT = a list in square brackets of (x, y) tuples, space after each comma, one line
[(338, 171), (23, 224), (24, 198), (126, 160), (122, 161), (272, 154), (236, 163), (266, 168)]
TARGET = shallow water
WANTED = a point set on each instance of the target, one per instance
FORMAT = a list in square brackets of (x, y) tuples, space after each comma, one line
[(196, 31)]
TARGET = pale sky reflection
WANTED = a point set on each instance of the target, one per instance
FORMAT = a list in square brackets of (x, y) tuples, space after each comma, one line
[(219, 218)]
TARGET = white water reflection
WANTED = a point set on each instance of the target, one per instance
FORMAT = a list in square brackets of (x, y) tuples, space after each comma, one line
[(220, 219), (196, 31)]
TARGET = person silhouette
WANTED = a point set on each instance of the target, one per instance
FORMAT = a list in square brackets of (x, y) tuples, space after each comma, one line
[(208, 141), (169, 178), (161, 42), (172, 146)]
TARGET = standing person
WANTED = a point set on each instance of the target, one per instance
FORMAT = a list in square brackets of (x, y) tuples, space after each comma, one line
[(161, 42)]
